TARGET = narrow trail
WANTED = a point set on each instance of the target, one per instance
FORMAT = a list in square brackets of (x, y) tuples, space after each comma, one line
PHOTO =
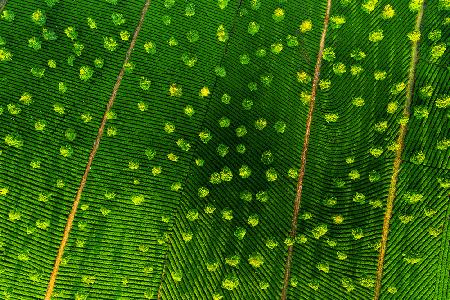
[(298, 197), (398, 157), (2, 4), (54, 274), (161, 283)]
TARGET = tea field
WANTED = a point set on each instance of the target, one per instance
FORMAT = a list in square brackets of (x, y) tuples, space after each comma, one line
[(224, 149)]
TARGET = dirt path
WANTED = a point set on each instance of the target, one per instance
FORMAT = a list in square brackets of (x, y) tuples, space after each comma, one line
[(2, 4), (398, 157), (298, 197), (51, 283)]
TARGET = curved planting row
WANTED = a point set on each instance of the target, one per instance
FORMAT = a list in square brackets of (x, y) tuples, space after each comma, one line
[(250, 149)]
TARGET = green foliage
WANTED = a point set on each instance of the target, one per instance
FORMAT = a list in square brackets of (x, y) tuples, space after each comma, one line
[(91, 23), (443, 102), (118, 19), (320, 231), (329, 54), (233, 260), (190, 194), (34, 43), (150, 47), (278, 14), (222, 34), (78, 48), (192, 36), (5, 55), (437, 51), (376, 36), (110, 43), (230, 282), (337, 21), (256, 260), (13, 141), (7, 15), (86, 73), (253, 220), (222, 3), (253, 28), (176, 276), (38, 17), (306, 26), (71, 33), (240, 232)]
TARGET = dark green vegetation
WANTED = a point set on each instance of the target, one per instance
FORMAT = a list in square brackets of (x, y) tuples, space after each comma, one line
[(191, 193)]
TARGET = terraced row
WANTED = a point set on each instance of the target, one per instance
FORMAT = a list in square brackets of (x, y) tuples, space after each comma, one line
[(50, 114), (235, 214), (190, 194), (139, 173)]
